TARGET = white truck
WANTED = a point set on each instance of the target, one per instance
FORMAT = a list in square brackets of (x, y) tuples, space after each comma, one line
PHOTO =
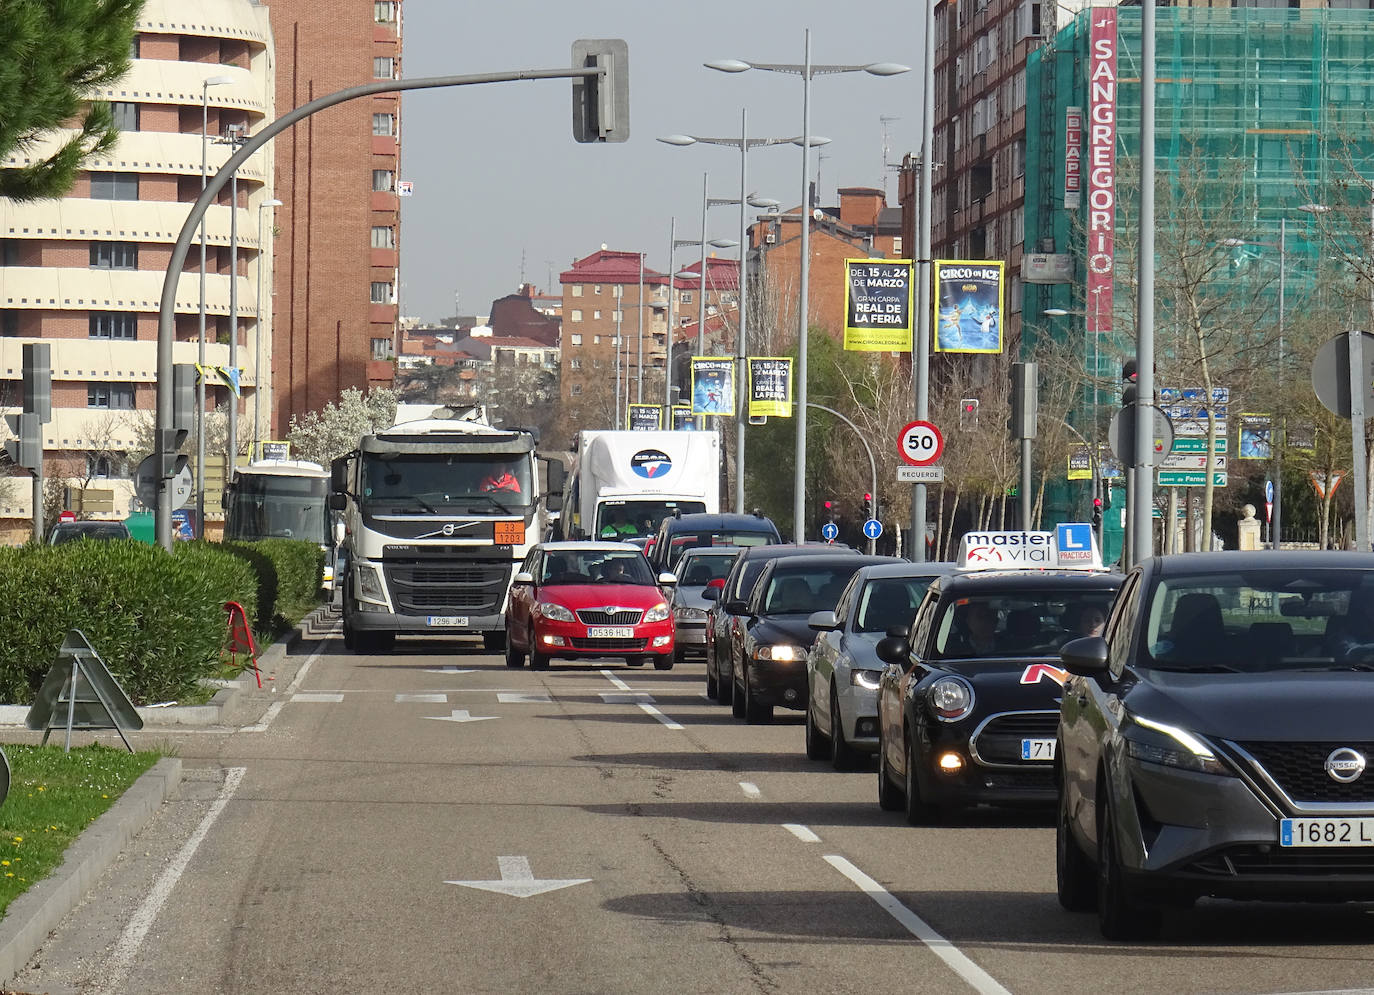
[(623, 484), (438, 513)]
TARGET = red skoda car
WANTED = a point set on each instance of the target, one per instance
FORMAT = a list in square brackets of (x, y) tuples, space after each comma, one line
[(586, 601)]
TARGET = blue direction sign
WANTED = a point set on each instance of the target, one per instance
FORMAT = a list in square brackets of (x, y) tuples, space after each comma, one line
[(829, 531), (1269, 491), (873, 528)]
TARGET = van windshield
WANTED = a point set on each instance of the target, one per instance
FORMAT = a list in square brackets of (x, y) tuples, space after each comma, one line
[(621, 520)]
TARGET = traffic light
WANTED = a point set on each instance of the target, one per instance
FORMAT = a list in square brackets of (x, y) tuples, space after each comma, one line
[(1024, 400), (868, 506), (829, 511), (968, 414), (1097, 513), (601, 103), (37, 377), (26, 449)]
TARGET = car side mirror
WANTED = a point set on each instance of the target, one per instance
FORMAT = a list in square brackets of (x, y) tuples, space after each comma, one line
[(338, 501), (893, 649), (823, 621), (524, 577), (737, 607), (1085, 657), (667, 579), (711, 593)]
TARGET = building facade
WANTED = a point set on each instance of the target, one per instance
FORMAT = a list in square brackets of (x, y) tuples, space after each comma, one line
[(85, 272)]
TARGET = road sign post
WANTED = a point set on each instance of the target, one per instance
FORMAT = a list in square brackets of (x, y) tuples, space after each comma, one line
[(1343, 381)]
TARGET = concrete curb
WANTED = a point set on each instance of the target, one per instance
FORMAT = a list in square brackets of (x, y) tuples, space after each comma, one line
[(34, 914)]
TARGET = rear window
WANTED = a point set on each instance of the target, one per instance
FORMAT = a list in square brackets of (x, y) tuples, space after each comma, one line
[(890, 602), (803, 591), (698, 571)]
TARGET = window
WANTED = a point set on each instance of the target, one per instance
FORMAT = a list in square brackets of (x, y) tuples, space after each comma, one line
[(381, 348), (574, 364), (1018, 157), (575, 389), (577, 314), (133, 46), (383, 237), (384, 124), (577, 290), (112, 325), (897, 246), (596, 340), (383, 181), (114, 186), (383, 67), (685, 297), (384, 11), (9, 252), (617, 315), (114, 255), (125, 115), (109, 465), (381, 294), (596, 315), (577, 338), (597, 289), (112, 396), (9, 324)]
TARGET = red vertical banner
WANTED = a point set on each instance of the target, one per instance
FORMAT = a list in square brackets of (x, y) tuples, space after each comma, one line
[(1102, 90)]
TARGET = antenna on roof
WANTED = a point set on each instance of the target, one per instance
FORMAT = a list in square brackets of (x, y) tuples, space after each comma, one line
[(887, 147)]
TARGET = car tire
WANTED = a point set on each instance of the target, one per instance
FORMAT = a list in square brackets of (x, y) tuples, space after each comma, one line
[(1074, 875), (665, 662), (515, 659), (755, 714), (817, 743), (349, 636), (736, 699), (842, 755), (889, 795), (494, 642), (918, 811), (634, 661), (712, 686), (725, 689), (1119, 917), (538, 661)]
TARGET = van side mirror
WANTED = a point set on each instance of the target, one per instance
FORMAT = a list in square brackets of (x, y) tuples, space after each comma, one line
[(338, 501)]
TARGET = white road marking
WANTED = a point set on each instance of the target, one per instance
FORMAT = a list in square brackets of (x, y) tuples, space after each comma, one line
[(640, 698), (276, 706), (460, 715), (447, 670), (615, 680), (633, 698), (518, 881), (750, 789), (127, 947), (801, 832), (429, 699), (524, 698), (958, 962), (316, 697)]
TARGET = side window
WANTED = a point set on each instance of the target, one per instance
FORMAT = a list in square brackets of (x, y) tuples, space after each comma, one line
[(920, 624), (531, 563), (755, 595), (1121, 630), (846, 599)]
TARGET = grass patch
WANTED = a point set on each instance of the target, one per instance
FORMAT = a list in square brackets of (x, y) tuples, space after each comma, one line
[(53, 797)]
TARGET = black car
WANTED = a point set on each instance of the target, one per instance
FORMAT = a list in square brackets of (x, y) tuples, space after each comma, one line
[(774, 631), (968, 703), (64, 532), (681, 532), (729, 605), (1216, 739)]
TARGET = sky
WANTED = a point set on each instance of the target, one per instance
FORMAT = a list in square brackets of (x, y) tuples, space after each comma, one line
[(503, 195)]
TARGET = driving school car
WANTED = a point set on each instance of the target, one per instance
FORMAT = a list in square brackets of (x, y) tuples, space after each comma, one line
[(968, 704)]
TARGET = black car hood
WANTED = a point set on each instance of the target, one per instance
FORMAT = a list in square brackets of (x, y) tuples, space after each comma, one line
[(783, 629), (1309, 705), (1014, 684)]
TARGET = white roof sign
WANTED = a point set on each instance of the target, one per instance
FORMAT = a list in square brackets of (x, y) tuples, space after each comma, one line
[(1071, 546)]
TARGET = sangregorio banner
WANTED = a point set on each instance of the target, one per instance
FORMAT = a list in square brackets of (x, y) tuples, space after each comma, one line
[(968, 305), (770, 386), (877, 305), (644, 417), (713, 385)]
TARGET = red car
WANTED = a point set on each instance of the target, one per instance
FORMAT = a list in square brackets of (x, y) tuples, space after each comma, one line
[(588, 600)]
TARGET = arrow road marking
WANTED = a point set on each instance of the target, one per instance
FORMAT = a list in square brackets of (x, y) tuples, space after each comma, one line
[(518, 881), (461, 715)]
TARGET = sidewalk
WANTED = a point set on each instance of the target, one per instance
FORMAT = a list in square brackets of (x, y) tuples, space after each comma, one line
[(34, 914)]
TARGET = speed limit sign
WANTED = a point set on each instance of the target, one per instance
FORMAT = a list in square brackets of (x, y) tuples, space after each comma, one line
[(921, 443)]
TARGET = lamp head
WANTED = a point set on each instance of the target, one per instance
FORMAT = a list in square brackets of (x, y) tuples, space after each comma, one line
[(728, 65), (218, 80), (1314, 208), (1233, 242), (816, 140), (886, 69), (1055, 312), (723, 243), (272, 203), (678, 140), (766, 202)]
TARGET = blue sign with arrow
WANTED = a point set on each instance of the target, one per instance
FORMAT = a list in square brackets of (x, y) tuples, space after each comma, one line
[(829, 531), (873, 528)]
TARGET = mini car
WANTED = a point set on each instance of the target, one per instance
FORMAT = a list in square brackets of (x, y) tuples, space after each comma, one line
[(588, 600)]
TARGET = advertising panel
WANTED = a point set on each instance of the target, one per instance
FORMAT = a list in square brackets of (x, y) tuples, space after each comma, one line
[(644, 417), (713, 385), (1255, 437), (770, 386), (1101, 221), (877, 305), (968, 305), (682, 418), (1073, 157)]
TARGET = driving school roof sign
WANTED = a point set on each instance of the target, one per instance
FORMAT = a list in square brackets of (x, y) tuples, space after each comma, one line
[(1071, 546)]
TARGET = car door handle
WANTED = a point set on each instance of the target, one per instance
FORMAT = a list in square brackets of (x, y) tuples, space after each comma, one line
[(1082, 700)]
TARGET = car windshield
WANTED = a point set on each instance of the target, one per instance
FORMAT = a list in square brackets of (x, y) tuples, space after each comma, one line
[(700, 570), (890, 602), (801, 591), (1017, 624), (586, 566), (114, 530), (1261, 621)]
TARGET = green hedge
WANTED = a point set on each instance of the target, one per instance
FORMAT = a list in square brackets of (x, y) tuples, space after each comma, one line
[(288, 572), (157, 619)]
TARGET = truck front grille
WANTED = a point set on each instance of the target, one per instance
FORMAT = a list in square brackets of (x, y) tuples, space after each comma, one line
[(419, 588)]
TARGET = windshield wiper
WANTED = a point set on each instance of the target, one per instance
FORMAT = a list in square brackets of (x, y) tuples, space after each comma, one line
[(417, 499), (1207, 668), (489, 499)]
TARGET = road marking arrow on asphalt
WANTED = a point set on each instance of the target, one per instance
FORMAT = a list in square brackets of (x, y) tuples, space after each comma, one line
[(461, 715), (518, 881)]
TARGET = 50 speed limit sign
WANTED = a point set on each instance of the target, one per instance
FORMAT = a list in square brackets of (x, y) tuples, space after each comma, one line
[(921, 443)]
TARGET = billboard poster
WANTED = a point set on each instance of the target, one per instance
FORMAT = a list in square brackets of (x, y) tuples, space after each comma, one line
[(877, 305), (1073, 157), (1254, 442), (1300, 435), (1080, 463), (644, 417), (1101, 220), (682, 418), (968, 305), (770, 386), (713, 385)]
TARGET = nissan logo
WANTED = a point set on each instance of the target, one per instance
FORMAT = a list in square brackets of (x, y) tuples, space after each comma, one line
[(1345, 765)]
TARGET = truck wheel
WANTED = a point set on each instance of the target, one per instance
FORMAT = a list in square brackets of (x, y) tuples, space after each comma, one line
[(494, 642)]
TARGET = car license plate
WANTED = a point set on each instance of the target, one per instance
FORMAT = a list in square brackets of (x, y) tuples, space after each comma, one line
[(610, 632), (1037, 749), (447, 620), (1326, 832)]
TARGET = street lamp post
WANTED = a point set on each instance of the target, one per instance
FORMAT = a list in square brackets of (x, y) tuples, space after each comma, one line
[(1059, 312), (677, 243), (200, 349), (233, 137), (257, 333), (806, 70)]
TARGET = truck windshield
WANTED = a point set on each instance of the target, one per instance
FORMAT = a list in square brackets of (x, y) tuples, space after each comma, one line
[(275, 506), (638, 519), (421, 483)]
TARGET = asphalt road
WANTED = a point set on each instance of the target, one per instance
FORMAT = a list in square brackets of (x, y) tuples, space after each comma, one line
[(335, 845)]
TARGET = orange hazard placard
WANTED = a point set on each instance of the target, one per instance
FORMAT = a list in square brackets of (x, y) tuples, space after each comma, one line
[(240, 641)]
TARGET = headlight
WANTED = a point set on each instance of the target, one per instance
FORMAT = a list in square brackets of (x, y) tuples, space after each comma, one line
[(689, 613), (555, 612), (865, 678), (370, 584), (1172, 747), (951, 698), (780, 654), (657, 613)]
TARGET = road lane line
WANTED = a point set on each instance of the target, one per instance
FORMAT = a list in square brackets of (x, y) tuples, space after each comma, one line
[(644, 706), (621, 685), (131, 940), (276, 706), (801, 832), (750, 789), (977, 978)]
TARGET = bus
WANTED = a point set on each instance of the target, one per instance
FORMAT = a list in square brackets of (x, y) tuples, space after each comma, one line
[(281, 499)]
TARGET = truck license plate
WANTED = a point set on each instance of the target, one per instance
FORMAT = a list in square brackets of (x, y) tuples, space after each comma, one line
[(610, 632), (1326, 832), (1037, 749), (447, 620)]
